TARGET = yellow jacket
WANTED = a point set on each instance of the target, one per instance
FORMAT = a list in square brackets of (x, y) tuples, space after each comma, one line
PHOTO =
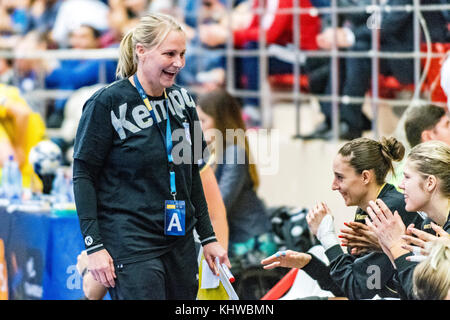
[(24, 137)]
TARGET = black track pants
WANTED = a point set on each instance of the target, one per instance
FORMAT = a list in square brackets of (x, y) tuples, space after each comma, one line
[(172, 276)]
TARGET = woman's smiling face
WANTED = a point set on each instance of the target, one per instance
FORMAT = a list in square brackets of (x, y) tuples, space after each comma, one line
[(161, 64), (348, 182), (413, 188)]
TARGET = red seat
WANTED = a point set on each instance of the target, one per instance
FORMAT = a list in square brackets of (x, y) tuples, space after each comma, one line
[(286, 82), (282, 286), (389, 85)]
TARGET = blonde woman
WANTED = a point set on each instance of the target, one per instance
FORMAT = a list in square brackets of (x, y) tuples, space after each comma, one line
[(138, 190), (426, 187), (431, 277)]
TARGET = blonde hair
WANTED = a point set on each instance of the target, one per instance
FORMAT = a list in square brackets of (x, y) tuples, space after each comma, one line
[(151, 31), (433, 158), (431, 277)]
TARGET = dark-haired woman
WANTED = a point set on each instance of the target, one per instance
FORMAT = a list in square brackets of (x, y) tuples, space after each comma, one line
[(360, 169), (237, 175)]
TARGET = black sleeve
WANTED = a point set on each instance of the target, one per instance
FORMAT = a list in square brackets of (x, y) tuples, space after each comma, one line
[(353, 274), (320, 272), (405, 271), (95, 131), (84, 187)]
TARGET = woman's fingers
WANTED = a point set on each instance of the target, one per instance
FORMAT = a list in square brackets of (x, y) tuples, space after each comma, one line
[(425, 236), (416, 250), (439, 230), (413, 240), (370, 223), (273, 265), (378, 211), (374, 222), (274, 258)]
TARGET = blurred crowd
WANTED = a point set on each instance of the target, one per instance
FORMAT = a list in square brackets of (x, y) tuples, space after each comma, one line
[(28, 25), (33, 26)]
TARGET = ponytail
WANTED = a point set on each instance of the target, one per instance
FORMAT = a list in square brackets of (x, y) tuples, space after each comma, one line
[(127, 64)]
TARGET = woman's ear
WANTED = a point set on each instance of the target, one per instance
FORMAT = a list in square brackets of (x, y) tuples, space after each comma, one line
[(430, 183), (367, 176), (140, 49)]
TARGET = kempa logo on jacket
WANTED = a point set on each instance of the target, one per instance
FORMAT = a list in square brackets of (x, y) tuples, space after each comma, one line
[(178, 100)]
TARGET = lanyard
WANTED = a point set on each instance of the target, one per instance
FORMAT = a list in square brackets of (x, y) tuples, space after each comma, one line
[(168, 137)]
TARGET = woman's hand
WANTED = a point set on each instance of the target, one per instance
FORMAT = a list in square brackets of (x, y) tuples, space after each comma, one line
[(315, 216), (213, 250), (360, 238), (418, 244), (287, 259), (388, 227), (101, 266)]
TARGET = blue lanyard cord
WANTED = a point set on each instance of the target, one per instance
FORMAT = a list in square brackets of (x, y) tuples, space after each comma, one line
[(168, 137)]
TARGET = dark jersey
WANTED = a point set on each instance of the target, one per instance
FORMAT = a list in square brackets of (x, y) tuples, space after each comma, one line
[(118, 135), (356, 275), (405, 268)]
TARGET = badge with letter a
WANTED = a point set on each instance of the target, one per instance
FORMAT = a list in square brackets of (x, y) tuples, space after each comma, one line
[(175, 218)]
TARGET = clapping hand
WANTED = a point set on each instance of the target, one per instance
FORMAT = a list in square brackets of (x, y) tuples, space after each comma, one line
[(419, 243), (316, 215), (360, 238)]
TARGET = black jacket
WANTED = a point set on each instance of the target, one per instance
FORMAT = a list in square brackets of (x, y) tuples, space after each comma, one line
[(404, 276), (362, 277)]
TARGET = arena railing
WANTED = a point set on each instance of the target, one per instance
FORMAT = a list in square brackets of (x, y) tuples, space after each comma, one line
[(296, 95)]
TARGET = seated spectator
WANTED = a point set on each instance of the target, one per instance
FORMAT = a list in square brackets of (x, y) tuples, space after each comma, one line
[(119, 23), (426, 187), (27, 70), (279, 29), (425, 123), (123, 15), (236, 174), (396, 35), (431, 277), (74, 13), (20, 130), (13, 22), (43, 15), (360, 170), (204, 70), (75, 74)]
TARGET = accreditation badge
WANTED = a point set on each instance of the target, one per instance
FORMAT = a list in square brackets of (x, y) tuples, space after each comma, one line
[(175, 218)]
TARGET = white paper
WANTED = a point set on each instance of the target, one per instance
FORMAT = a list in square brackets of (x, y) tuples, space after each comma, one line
[(209, 279)]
